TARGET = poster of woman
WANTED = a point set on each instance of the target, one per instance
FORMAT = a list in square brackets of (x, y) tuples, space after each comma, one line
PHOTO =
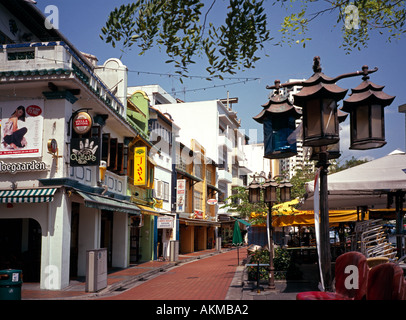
[(21, 129)]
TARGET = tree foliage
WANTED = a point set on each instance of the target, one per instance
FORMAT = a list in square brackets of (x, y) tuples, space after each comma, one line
[(358, 20), (184, 28)]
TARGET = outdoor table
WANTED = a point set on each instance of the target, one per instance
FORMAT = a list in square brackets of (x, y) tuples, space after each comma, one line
[(258, 276)]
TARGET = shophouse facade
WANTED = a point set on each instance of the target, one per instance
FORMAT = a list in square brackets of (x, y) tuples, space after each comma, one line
[(55, 204), (194, 176), (216, 126), (196, 199), (163, 132)]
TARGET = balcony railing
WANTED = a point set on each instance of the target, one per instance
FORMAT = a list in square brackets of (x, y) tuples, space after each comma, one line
[(224, 141), (32, 61)]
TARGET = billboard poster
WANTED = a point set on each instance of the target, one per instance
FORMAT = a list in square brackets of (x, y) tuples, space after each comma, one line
[(180, 195), (21, 128), (84, 152)]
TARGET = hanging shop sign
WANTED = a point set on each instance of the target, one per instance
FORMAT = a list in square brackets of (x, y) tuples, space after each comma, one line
[(165, 222), (198, 214), (212, 202), (84, 152), (180, 195), (140, 166), (21, 128), (82, 122), (52, 146), (15, 167)]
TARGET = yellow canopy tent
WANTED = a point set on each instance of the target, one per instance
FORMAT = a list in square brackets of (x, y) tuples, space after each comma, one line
[(285, 214)]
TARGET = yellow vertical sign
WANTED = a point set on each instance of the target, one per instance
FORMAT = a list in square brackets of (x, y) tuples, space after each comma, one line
[(140, 166)]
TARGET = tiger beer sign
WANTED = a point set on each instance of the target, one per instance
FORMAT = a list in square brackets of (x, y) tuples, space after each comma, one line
[(140, 166)]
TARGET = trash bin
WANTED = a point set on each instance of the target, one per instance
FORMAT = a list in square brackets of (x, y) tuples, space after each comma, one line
[(10, 284)]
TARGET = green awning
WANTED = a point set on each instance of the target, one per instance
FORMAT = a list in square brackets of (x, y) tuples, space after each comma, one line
[(27, 195), (106, 203)]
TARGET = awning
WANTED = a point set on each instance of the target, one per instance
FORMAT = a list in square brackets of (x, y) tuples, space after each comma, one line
[(106, 203), (199, 222), (148, 210), (296, 218), (27, 195)]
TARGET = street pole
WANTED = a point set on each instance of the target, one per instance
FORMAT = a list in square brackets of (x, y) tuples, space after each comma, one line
[(325, 253), (399, 197), (271, 281)]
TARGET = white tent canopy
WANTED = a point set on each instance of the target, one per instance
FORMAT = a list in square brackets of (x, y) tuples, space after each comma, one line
[(364, 185)]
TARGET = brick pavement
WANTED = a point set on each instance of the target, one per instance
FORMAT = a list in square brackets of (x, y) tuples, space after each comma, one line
[(116, 279), (204, 279)]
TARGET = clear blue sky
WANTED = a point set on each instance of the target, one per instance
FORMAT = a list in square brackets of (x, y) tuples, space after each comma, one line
[(81, 22)]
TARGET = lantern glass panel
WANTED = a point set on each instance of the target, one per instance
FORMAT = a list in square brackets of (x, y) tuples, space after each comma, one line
[(284, 194), (362, 123), (254, 195), (313, 118), (330, 116), (376, 121), (270, 194)]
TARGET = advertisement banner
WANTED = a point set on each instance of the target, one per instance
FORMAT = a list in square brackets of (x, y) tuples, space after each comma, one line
[(84, 152), (140, 166), (21, 128), (180, 195)]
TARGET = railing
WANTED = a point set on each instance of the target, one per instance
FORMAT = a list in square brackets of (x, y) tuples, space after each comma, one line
[(30, 61)]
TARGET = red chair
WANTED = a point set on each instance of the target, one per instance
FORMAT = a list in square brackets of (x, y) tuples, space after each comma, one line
[(386, 282), (351, 274)]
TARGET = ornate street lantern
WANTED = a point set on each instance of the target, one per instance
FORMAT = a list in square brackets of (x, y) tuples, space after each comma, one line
[(318, 99), (286, 189), (366, 107), (278, 118), (254, 191), (332, 149), (270, 186)]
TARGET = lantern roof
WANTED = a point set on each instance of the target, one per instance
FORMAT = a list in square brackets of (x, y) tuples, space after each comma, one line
[(367, 92), (278, 104), (319, 85)]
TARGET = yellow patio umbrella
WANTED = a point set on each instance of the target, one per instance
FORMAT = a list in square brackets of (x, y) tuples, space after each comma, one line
[(285, 214)]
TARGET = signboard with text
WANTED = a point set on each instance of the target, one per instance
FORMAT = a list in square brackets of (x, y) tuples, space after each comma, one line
[(140, 166), (84, 152), (165, 222)]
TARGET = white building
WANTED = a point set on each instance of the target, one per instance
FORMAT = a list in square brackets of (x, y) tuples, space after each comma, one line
[(215, 125), (53, 205), (289, 165)]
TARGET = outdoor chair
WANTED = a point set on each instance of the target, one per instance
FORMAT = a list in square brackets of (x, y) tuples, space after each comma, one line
[(346, 287), (386, 282)]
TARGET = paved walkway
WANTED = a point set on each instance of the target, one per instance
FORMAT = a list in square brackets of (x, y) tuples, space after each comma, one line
[(205, 279), (203, 275), (117, 279)]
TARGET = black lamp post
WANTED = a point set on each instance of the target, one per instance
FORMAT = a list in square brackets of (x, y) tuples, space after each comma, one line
[(318, 99), (270, 197)]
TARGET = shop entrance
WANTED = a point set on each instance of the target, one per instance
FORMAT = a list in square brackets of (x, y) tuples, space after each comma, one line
[(135, 239), (20, 247), (106, 238)]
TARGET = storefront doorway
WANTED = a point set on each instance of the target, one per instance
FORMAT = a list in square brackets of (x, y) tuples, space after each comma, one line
[(106, 237), (135, 239), (20, 247)]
